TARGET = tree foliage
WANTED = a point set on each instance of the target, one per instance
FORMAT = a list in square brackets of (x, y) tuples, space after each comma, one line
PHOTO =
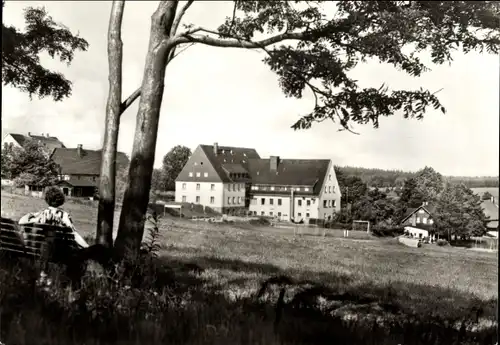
[(21, 67), (309, 47), (351, 187), (459, 212), (31, 166), (375, 207), (173, 162), (486, 196)]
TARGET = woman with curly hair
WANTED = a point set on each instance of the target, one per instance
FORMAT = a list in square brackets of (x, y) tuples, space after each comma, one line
[(53, 215)]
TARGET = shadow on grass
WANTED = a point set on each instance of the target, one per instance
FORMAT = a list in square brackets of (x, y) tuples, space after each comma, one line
[(171, 300)]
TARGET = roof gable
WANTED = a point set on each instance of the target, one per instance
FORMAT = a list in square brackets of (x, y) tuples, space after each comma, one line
[(429, 209), (229, 160), (88, 164)]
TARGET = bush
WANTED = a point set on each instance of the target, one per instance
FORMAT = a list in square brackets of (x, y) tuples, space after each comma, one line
[(260, 221), (387, 232), (442, 243), (338, 225)]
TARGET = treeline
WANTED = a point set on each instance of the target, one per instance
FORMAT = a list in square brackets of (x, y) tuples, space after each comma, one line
[(395, 178)]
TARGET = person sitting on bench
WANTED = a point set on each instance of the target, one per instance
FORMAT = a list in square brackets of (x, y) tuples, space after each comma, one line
[(53, 215)]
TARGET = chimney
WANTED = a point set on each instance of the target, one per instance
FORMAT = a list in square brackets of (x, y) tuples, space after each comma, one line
[(274, 162), (79, 150), (216, 149), (47, 135), (29, 134)]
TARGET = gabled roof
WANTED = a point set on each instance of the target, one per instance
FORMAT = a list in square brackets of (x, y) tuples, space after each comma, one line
[(78, 183), (429, 208), (229, 159), (294, 172), (490, 209), (88, 164), (48, 143)]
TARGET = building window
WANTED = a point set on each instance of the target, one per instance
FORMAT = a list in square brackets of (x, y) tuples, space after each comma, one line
[(324, 203), (307, 215), (263, 201), (418, 219), (197, 199), (212, 200), (190, 174), (424, 220), (299, 214), (299, 202), (271, 201), (431, 221), (254, 201), (272, 188), (306, 189), (239, 187), (239, 199), (261, 213), (198, 174), (229, 187), (229, 200), (330, 177), (197, 186), (333, 189), (183, 198), (271, 213), (205, 174), (256, 188), (326, 189), (212, 187), (234, 200), (254, 213), (334, 203), (329, 189), (297, 189), (93, 178), (308, 202), (183, 186), (279, 214), (279, 202)]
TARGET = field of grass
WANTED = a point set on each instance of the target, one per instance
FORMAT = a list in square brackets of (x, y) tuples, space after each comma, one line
[(355, 290)]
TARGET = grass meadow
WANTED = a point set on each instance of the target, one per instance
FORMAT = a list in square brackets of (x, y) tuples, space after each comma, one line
[(245, 284)]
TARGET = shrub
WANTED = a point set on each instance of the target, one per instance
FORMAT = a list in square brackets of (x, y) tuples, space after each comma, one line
[(442, 243), (260, 221), (387, 232)]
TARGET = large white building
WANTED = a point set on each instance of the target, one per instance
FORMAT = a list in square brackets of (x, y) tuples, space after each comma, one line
[(231, 179)]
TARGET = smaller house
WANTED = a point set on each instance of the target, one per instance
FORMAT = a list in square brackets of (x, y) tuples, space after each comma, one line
[(420, 216), (490, 209), (47, 142), (80, 169)]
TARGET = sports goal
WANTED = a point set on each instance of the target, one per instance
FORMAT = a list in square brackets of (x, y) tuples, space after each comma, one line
[(361, 225)]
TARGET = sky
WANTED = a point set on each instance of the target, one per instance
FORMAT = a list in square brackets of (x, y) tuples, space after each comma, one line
[(231, 97)]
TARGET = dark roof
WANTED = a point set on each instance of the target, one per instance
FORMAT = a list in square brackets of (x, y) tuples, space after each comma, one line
[(229, 159), (49, 143), (429, 208), (88, 164), (78, 183), (291, 172)]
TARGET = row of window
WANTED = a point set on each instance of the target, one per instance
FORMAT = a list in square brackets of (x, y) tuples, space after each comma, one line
[(329, 203), (230, 200), (278, 214), (424, 220), (281, 188), (329, 189), (231, 186)]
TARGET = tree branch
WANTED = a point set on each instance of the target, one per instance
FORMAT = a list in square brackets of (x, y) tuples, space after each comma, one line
[(128, 102), (179, 16), (235, 43)]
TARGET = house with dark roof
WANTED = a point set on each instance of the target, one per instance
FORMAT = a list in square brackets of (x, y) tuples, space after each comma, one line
[(80, 169), (234, 179), (47, 142), (490, 209), (420, 217)]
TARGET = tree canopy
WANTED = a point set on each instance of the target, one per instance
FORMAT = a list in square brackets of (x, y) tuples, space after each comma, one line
[(21, 67), (173, 162)]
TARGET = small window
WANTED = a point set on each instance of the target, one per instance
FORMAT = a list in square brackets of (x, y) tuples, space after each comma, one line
[(271, 213), (212, 187), (307, 215), (190, 174), (239, 187), (93, 178), (431, 221), (299, 202), (234, 200), (418, 219), (272, 188), (197, 186), (198, 174), (324, 203), (261, 213), (329, 189), (279, 214), (229, 200), (205, 174), (306, 189), (263, 201), (279, 202), (212, 200), (183, 198), (256, 188), (183, 186), (326, 189), (197, 199), (308, 202), (297, 189), (330, 177), (334, 203), (299, 214), (271, 201), (424, 220)]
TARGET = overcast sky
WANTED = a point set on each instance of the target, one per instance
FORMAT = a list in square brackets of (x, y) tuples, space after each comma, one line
[(229, 96)]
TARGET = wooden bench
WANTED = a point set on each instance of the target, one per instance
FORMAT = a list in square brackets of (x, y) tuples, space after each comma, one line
[(32, 240)]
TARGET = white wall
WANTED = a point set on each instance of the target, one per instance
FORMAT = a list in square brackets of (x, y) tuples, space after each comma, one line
[(10, 140), (267, 208), (205, 193), (330, 191)]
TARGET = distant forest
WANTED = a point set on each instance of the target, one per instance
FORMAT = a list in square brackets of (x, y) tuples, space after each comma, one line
[(395, 178)]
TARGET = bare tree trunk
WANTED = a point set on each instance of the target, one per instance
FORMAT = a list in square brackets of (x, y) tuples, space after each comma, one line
[(106, 210), (136, 198)]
